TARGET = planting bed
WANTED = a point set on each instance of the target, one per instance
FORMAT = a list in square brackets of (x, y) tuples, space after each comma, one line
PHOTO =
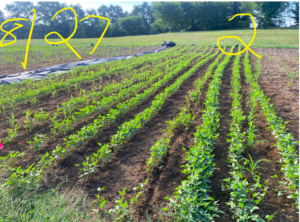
[(188, 119)]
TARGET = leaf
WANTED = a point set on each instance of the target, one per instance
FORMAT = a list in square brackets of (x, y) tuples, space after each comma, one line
[(165, 209), (102, 203)]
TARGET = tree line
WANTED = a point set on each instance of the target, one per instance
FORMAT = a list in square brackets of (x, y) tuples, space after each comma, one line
[(146, 18)]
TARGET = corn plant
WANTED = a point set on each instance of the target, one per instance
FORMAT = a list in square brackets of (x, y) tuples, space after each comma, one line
[(253, 165), (27, 121), (12, 120)]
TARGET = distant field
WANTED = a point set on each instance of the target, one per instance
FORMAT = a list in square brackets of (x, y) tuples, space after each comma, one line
[(270, 38), (42, 54)]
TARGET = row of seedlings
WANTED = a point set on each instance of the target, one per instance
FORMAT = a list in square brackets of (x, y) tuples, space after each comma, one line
[(243, 196), (130, 128), (285, 141), (59, 152), (192, 201)]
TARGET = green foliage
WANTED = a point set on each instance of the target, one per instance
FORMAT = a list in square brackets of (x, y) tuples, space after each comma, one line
[(37, 142), (133, 25), (170, 13), (266, 12)]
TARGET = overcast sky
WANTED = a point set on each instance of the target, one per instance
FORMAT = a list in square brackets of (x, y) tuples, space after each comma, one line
[(86, 4)]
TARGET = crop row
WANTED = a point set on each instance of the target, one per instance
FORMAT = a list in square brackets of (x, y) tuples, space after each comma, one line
[(89, 131), (75, 72), (130, 128), (285, 141), (183, 120), (192, 201), (241, 204), (48, 86), (47, 159), (69, 108)]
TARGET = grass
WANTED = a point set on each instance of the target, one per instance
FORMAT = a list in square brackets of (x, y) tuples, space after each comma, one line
[(43, 205), (265, 38)]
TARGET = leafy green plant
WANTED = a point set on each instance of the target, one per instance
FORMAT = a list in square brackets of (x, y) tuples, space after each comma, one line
[(121, 211), (12, 133), (89, 167), (37, 142), (40, 117), (100, 202), (33, 101), (285, 141)]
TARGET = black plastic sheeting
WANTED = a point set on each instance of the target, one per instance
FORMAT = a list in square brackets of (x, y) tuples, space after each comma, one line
[(58, 69)]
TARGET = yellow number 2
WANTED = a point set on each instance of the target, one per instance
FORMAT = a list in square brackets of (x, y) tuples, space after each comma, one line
[(64, 40), (246, 46)]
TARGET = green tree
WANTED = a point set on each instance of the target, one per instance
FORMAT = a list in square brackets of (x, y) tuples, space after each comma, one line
[(114, 13), (267, 12), (211, 15), (234, 8), (133, 25), (295, 11), (158, 27), (20, 10), (90, 24), (170, 13), (145, 10)]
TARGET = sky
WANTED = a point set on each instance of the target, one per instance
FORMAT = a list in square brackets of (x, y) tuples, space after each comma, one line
[(86, 4)]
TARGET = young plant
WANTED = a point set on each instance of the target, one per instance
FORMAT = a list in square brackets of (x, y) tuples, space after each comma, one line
[(33, 101), (89, 167), (12, 120), (27, 121), (12, 133), (38, 141), (251, 135), (40, 117), (253, 165), (121, 211), (100, 202), (59, 152)]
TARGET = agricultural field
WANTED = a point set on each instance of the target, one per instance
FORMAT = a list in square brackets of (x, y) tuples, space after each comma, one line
[(41, 54), (187, 134)]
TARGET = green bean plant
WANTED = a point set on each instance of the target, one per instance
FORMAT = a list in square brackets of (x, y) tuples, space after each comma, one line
[(37, 142)]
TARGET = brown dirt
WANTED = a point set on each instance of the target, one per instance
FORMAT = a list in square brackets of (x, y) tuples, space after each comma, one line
[(273, 81)]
